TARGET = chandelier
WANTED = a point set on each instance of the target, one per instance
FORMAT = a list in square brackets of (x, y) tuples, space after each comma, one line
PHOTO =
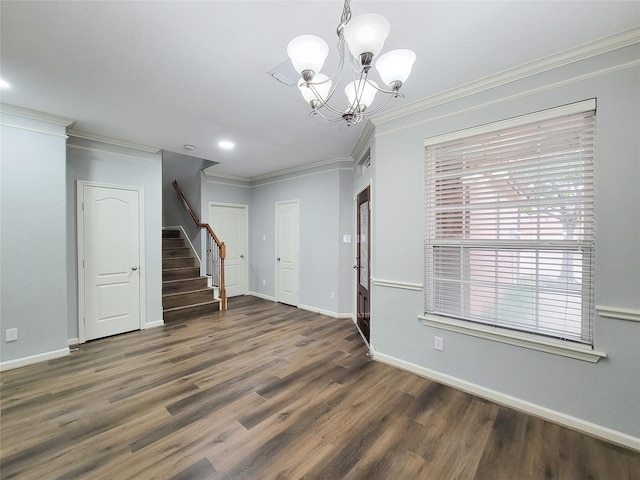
[(360, 40)]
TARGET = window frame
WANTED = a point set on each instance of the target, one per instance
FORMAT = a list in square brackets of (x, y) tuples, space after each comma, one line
[(493, 332)]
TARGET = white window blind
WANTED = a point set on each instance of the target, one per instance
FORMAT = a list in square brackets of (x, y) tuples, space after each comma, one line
[(510, 227)]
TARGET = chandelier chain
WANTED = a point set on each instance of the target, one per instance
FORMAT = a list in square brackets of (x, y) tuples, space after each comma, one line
[(346, 11)]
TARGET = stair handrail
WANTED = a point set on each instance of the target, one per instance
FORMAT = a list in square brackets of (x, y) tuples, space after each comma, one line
[(222, 249)]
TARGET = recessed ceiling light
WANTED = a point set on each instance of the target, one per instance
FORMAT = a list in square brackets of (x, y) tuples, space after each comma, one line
[(189, 147), (4, 84), (226, 144)]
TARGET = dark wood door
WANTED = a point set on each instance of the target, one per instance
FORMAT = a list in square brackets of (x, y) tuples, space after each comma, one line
[(363, 260)]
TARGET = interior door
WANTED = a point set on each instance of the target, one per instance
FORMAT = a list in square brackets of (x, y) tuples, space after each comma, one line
[(229, 222), (363, 261), (111, 247), (287, 250)]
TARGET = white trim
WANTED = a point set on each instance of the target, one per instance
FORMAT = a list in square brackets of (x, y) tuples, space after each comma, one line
[(380, 282), (35, 115), (224, 176), (111, 141), (564, 110), (289, 179), (364, 142), (214, 182), (34, 130), (72, 341), (510, 98), (251, 182), (563, 419), (263, 296), (80, 184), (32, 359), (328, 313), (95, 148), (195, 252), (618, 313), (301, 168), (157, 323), (566, 57), (520, 339)]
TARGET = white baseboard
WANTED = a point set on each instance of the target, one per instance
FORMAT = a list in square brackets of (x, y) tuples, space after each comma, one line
[(73, 341), (321, 311), (309, 308), (30, 360), (157, 323), (263, 296), (575, 423)]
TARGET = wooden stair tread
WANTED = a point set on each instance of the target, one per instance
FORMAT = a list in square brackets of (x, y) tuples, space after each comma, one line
[(179, 280), (215, 301), (197, 290), (180, 268)]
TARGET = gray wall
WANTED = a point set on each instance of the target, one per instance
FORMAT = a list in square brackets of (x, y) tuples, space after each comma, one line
[(326, 214), (606, 393), (109, 164), (187, 170), (33, 292)]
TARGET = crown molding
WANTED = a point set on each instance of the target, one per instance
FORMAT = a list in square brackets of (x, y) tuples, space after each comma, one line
[(565, 57), (363, 142), (111, 141), (35, 115), (300, 168), (224, 176)]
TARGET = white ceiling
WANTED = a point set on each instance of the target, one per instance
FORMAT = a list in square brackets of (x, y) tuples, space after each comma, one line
[(165, 74)]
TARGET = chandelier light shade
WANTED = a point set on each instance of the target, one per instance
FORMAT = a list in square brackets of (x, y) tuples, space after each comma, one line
[(307, 52), (366, 34), (360, 41), (395, 66)]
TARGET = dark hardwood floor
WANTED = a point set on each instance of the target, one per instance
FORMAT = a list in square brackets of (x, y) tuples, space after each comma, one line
[(267, 391)]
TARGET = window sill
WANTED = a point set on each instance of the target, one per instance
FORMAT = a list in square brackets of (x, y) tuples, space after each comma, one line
[(526, 340)]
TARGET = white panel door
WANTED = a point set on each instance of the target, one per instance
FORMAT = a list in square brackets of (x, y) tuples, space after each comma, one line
[(111, 223), (229, 222), (287, 252)]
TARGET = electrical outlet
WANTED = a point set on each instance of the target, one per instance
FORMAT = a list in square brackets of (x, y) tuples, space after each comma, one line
[(264, 282), (333, 296), (438, 343), (11, 335)]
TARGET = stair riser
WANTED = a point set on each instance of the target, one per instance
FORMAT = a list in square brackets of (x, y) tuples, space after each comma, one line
[(176, 252), (178, 262), (194, 311), (172, 243), (184, 285), (181, 273), (187, 298), (170, 233)]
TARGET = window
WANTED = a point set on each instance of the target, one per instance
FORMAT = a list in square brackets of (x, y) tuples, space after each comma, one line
[(510, 224)]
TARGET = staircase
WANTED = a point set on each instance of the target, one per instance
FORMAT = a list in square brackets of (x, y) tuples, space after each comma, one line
[(185, 293)]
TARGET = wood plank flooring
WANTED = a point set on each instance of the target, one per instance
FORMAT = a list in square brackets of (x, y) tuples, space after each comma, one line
[(267, 391)]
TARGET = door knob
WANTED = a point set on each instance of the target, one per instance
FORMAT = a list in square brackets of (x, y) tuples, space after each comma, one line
[(278, 259), (242, 256), (134, 268), (355, 266)]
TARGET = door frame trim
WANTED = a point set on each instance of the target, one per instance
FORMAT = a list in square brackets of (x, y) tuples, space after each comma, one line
[(80, 184), (368, 185), (275, 249), (245, 207)]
